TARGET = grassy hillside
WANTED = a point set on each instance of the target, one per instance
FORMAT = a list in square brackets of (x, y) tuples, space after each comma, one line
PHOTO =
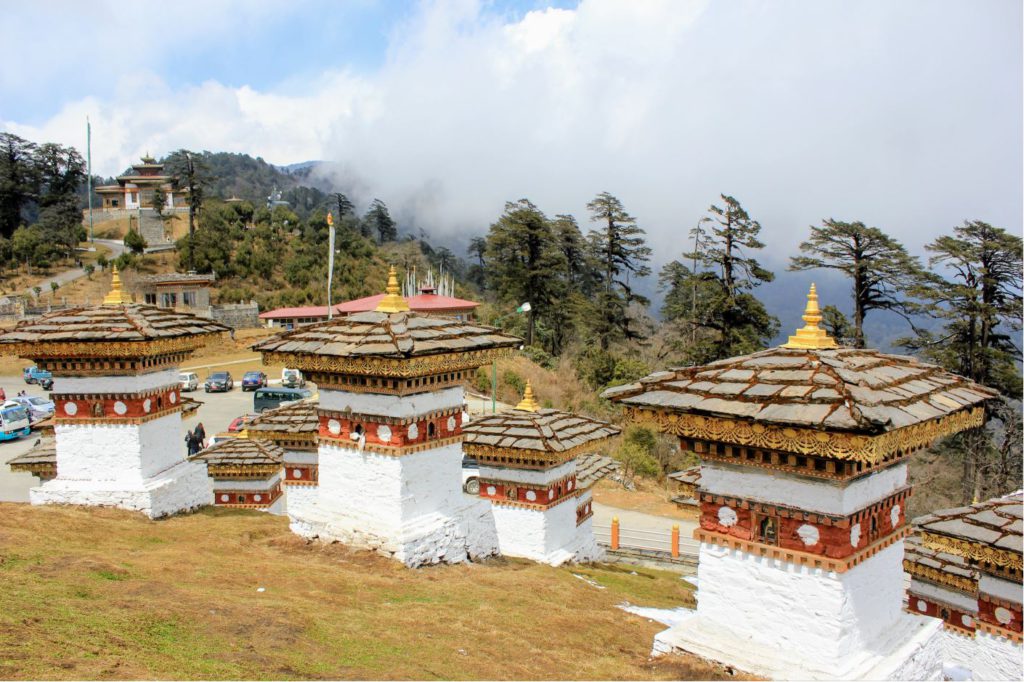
[(99, 593)]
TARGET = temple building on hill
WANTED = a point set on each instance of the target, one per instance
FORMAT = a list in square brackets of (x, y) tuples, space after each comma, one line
[(246, 473), (135, 188), (427, 298), (390, 429), (117, 425), (294, 429), (803, 487), (528, 473), (965, 567)]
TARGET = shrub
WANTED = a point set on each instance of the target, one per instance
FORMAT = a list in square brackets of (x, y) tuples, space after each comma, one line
[(514, 381)]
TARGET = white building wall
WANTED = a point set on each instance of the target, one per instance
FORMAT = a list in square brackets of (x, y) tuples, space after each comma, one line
[(360, 488), (119, 451), (125, 384), (300, 499), (777, 487), (985, 656), (998, 587), (396, 407), (295, 456), (789, 607), (528, 476), (549, 536), (942, 594)]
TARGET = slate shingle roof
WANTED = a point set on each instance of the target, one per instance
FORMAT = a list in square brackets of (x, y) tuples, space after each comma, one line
[(841, 389), (996, 522), (45, 453), (592, 467), (689, 476), (105, 324), (241, 452), (387, 335), (298, 417), (543, 430)]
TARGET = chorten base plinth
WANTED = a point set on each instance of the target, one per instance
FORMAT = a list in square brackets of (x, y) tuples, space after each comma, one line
[(465, 534), (913, 650), (182, 487), (549, 537)]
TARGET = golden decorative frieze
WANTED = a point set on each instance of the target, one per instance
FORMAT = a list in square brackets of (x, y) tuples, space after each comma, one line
[(504, 457), (99, 350), (973, 550), (391, 451), (834, 445), (931, 574), (388, 367)]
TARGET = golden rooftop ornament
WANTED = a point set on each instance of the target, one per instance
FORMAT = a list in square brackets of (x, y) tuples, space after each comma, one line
[(811, 336), (393, 301), (528, 403), (116, 296)]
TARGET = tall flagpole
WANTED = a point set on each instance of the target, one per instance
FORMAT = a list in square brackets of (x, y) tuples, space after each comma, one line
[(88, 156), (330, 263)]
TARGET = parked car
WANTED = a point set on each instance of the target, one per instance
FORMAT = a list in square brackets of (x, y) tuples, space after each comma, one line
[(189, 381), (33, 374), (253, 380), (269, 398), (238, 423), (219, 381), (292, 378), (3, 396), (38, 408), (470, 476)]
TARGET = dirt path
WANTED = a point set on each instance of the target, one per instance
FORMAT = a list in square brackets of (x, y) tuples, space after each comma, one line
[(116, 249)]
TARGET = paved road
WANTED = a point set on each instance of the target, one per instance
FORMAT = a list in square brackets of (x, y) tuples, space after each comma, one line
[(116, 249), (216, 412)]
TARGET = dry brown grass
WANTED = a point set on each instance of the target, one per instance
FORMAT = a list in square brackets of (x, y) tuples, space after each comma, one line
[(100, 593)]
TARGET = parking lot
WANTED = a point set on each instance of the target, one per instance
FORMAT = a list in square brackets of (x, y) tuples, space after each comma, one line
[(216, 412)]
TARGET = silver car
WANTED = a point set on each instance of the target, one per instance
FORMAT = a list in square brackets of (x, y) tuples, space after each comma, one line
[(38, 408), (189, 381)]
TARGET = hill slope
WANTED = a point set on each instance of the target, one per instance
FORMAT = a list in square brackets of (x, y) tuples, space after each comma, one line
[(99, 593)]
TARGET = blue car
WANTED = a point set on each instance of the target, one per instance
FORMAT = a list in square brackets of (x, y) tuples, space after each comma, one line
[(254, 380), (33, 374)]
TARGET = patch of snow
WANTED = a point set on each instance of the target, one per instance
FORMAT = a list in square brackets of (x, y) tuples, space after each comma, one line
[(669, 617), (589, 581)]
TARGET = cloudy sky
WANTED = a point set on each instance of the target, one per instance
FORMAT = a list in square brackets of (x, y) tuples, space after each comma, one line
[(906, 115)]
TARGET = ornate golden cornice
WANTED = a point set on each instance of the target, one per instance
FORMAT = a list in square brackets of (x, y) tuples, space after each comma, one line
[(835, 445), (100, 350), (389, 367), (975, 551), (935, 575), (503, 457)]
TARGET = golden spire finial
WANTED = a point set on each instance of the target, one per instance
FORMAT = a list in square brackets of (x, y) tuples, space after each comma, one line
[(116, 296), (330, 219), (392, 301), (528, 403), (811, 336)]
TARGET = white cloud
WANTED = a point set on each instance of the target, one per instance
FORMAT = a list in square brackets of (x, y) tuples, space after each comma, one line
[(905, 115)]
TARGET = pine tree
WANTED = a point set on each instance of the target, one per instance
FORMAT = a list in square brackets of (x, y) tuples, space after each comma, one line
[(478, 249), (880, 269), (190, 172), (619, 247), (378, 220), (17, 180), (979, 301), (524, 263), (714, 298)]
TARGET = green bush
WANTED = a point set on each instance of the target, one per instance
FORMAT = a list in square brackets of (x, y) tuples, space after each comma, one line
[(514, 381), (540, 357)]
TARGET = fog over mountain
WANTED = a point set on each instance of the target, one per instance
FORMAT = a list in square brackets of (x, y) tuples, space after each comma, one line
[(906, 115)]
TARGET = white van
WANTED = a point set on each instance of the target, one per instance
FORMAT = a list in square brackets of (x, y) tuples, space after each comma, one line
[(189, 381), (292, 378)]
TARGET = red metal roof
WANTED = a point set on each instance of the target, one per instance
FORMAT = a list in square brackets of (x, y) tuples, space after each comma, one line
[(418, 303)]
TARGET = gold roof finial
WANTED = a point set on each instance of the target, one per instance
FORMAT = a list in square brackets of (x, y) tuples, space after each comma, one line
[(811, 336), (528, 403), (392, 301), (116, 296), (330, 219)]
